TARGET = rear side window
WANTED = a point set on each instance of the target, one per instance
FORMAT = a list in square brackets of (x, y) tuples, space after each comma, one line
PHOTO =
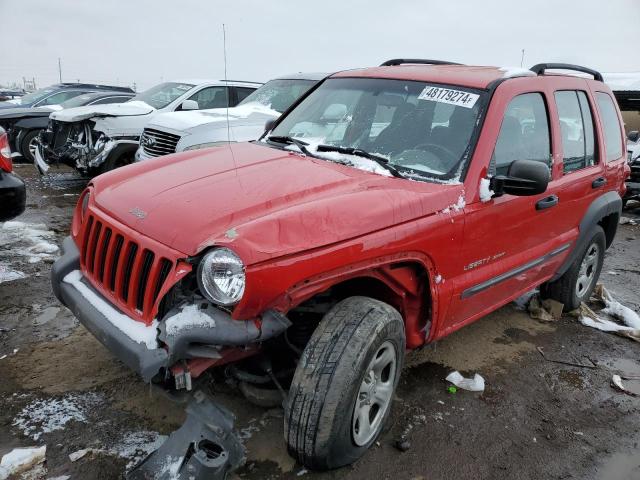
[(243, 92), (524, 134), (610, 126), (576, 129)]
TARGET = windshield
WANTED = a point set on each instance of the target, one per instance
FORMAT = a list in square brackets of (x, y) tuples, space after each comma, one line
[(278, 95), (423, 130), (78, 101), (162, 95), (36, 96)]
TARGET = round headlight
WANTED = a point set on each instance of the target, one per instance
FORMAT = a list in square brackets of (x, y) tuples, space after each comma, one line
[(221, 277)]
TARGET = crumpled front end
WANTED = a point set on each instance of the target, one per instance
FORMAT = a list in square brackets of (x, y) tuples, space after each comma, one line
[(136, 296), (81, 145)]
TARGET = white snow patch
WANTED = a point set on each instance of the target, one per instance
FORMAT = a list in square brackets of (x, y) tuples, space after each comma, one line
[(485, 192), (21, 459), (45, 416), (510, 72), (28, 240), (169, 468), (189, 317), (8, 275), (354, 161), (135, 330), (456, 207)]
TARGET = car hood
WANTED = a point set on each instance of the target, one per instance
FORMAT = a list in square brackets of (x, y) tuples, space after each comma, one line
[(127, 109), (22, 112), (249, 114), (260, 201)]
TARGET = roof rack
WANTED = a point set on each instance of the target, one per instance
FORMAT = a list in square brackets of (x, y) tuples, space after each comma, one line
[(540, 68), (98, 86), (419, 61), (241, 81)]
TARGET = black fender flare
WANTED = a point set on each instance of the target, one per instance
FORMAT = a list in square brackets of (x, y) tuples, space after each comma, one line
[(609, 203)]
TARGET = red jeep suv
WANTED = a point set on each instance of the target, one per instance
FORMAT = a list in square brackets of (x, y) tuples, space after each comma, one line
[(387, 208)]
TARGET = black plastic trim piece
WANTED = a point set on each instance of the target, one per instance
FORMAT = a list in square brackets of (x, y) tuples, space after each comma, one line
[(603, 206), (469, 292), (540, 68)]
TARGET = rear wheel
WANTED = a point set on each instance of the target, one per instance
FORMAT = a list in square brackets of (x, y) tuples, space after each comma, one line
[(343, 387), (29, 144), (577, 283)]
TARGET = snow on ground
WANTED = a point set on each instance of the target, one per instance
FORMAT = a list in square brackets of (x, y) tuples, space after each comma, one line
[(7, 274), (21, 459), (45, 416), (135, 330), (33, 241)]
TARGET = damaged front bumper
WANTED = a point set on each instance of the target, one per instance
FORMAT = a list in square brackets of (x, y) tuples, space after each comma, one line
[(148, 349)]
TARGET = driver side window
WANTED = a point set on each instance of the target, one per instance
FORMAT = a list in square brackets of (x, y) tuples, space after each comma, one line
[(211, 97), (524, 134)]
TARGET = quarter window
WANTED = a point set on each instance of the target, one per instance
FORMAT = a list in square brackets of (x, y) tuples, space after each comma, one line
[(610, 126), (576, 129), (524, 133)]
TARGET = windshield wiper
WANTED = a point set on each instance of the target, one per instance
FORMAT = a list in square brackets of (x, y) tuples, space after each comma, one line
[(383, 162), (290, 140)]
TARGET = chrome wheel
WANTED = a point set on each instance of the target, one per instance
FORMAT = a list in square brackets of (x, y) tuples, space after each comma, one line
[(587, 272), (374, 395), (33, 146)]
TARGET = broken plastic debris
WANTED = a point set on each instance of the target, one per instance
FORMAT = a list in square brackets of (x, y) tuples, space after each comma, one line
[(547, 310), (475, 384), (21, 459), (452, 389), (75, 456), (616, 382)]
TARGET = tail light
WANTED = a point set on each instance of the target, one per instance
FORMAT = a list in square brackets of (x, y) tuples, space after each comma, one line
[(5, 153)]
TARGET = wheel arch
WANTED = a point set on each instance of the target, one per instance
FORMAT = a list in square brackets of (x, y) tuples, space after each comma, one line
[(604, 211), (406, 284)]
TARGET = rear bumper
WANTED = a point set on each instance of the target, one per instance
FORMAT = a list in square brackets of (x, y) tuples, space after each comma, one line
[(95, 315), (13, 196)]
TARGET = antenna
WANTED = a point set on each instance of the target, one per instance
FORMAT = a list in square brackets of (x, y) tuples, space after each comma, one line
[(224, 49), (522, 58)]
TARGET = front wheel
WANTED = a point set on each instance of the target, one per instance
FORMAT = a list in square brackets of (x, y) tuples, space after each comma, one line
[(29, 144), (577, 283), (343, 387)]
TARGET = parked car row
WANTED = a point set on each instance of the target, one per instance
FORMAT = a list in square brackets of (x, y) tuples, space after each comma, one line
[(384, 209)]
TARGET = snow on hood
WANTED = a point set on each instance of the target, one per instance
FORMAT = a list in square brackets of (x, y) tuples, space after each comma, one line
[(127, 109), (276, 202), (250, 113)]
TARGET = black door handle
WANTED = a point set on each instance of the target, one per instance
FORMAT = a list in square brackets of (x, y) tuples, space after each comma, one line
[(599, 182), (547, 202)]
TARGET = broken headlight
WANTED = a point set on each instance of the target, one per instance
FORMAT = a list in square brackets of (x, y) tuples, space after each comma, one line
[(221, 277)]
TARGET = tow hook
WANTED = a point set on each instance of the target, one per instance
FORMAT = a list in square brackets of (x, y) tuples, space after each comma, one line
[(205, 447)]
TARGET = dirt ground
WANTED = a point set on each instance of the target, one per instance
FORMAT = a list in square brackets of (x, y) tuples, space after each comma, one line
[(535, 419)]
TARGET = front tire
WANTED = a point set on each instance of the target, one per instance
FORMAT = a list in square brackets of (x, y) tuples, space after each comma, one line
[(576, 284), (342, 390), (28, 145)]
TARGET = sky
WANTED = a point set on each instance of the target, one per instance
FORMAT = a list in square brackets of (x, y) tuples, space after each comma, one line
[(149, 41)]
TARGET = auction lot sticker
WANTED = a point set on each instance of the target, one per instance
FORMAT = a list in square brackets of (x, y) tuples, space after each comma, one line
[(447, 95)]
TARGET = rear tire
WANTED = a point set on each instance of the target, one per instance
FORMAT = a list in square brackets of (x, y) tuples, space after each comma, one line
[(576, 284), (343, 387)]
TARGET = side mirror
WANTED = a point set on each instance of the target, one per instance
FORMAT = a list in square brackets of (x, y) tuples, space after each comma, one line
[(524, 178), (633, 136), (189, 105), (268, 126)]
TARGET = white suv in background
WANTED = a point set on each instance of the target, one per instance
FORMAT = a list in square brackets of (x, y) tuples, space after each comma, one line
[(179, 131)]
